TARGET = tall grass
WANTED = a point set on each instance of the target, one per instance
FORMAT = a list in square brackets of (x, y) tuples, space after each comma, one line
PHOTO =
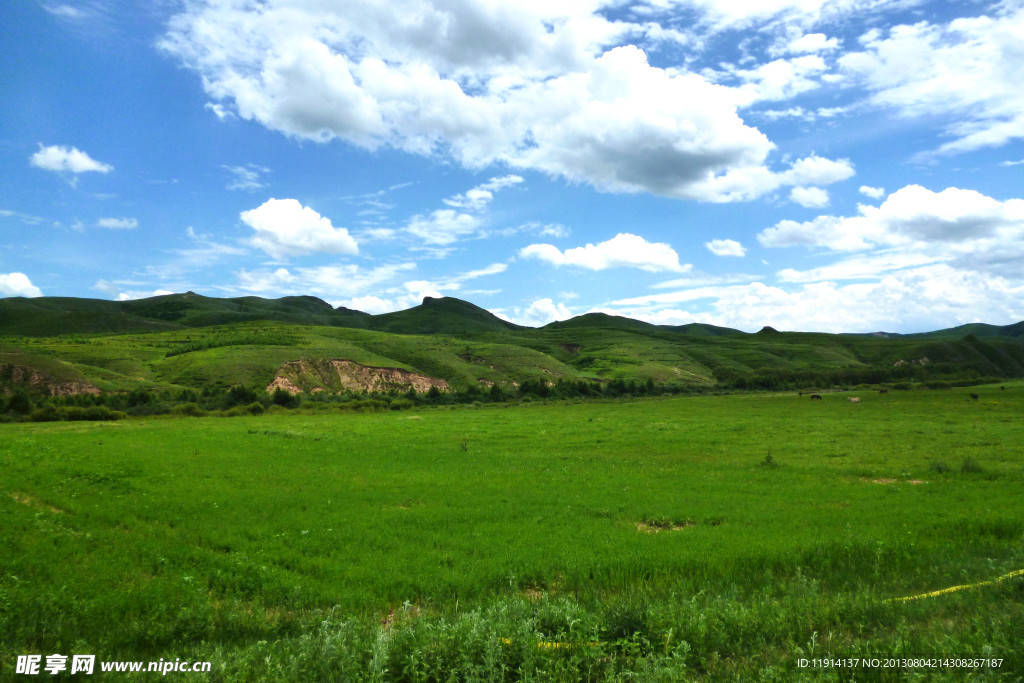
[(646, 539)]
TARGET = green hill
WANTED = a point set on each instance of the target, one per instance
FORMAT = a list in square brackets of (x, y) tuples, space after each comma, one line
[(63, 345), (446, 315)]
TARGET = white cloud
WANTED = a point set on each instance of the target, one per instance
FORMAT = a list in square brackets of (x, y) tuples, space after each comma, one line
[(623, 250), (910, 300), (726, 248), (415, 290), (132, 295), (327, 282), (836, 234), (65, 11), (540, 313), (792, 14), (816, 170), (286, 228), (443, 226), (446, 226), (811, 42), (809, 197), (478, 198), (369, 304), (246, 177), (966, 72), (27, 219), (117, 223), (955, 220), (17, 284), (861, 267), (873, 192), (67, 159), (780, 79), (953, 215), (492, 269), (532, 86)]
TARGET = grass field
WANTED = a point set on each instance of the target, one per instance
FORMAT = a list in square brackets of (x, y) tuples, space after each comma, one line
[(698, 538)]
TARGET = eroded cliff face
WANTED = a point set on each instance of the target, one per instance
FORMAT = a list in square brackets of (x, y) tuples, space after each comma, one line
[(17, 375), (344, 375)]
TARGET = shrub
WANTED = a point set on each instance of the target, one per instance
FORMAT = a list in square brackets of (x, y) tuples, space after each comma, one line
[(239, 396), (19, 402), (285, 399), (969, 466), (139, 397), (255, 408), (44, 414), (189, 410), (92, 413)]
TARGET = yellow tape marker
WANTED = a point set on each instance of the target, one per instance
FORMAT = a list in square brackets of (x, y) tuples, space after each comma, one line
[(953, 589), (546, 644)]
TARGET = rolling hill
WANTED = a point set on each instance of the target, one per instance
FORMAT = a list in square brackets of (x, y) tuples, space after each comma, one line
[(67, 345)]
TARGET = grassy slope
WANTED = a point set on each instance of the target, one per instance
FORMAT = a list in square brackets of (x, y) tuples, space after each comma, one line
[(202, 538), (250, 353), (173, 340)]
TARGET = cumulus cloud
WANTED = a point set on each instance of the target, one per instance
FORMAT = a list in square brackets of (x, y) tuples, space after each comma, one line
[(954, 218), (726, 248), (67, 160), (967, 72), (17, 284), (540, 313), (542, 86), (780, 79), (809, 197), (284, 228), (873, 192), (623, 250), (117, 223), (811, 42)]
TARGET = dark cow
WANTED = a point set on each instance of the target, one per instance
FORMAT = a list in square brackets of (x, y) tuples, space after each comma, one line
[(883, 391), (815, 397), (974, 397)]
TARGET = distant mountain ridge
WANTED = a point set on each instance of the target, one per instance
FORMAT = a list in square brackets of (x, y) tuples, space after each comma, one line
[(51, 316)]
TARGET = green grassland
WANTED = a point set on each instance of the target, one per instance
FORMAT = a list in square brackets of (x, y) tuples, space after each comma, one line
[(690, 538)]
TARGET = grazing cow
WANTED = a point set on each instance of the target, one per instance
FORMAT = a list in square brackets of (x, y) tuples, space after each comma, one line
[(1002, 388), (974, 397), (815, 397), (853, 399), (883, 391)]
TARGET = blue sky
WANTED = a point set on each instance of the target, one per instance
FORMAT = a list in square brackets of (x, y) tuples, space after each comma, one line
[(840, 165)]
